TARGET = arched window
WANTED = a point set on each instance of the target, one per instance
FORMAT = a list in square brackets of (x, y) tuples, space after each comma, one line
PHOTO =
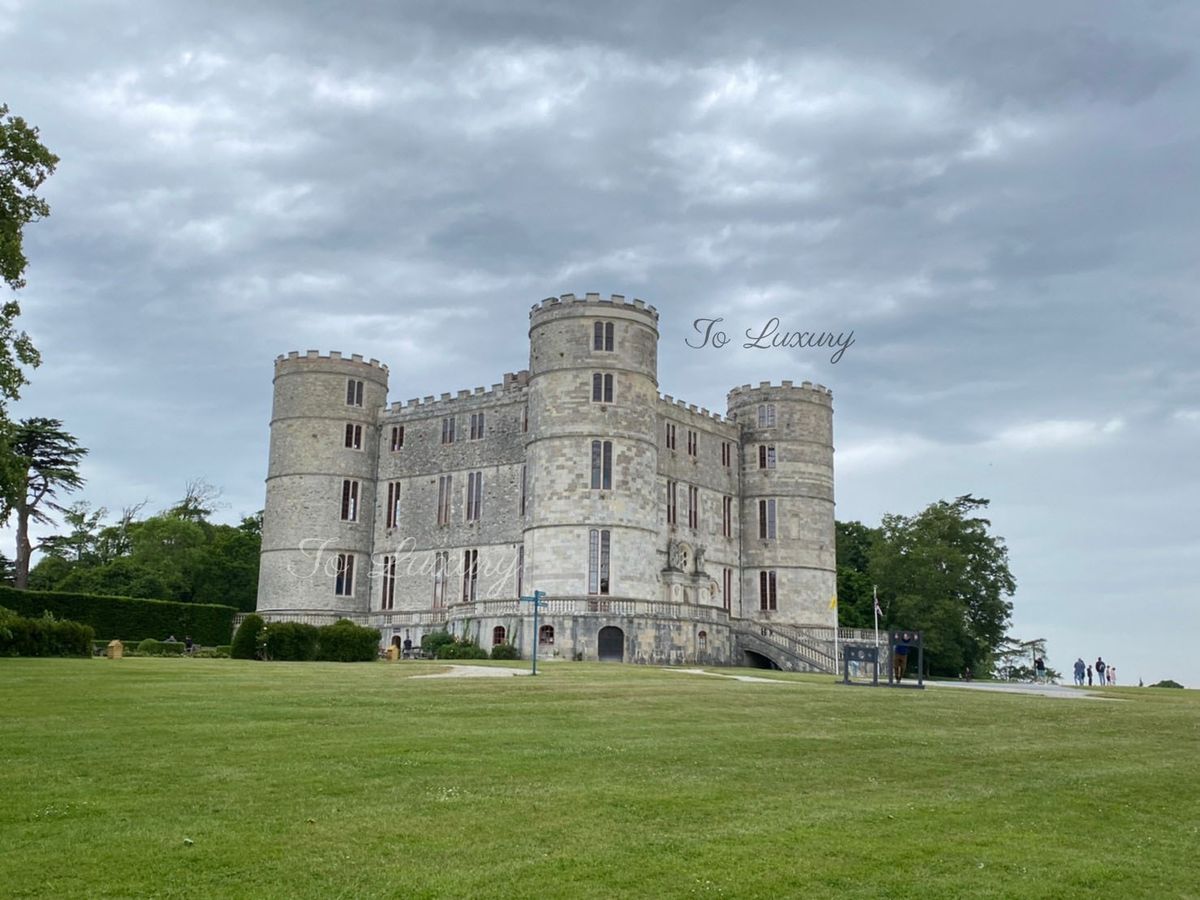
[(546, 634), (498, 635), (702, 641)]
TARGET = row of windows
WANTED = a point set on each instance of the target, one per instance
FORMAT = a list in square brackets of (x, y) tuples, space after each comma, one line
[(602, 453), (599, 542)]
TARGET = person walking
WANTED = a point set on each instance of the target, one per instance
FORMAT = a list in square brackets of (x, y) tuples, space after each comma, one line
[(1039, 670), (1100, 667), (1112, 675), (1089, 676), (1080, 665)]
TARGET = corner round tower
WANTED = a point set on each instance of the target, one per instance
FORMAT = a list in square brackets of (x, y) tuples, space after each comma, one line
[(318, 519), (591, 448), (789, 566)]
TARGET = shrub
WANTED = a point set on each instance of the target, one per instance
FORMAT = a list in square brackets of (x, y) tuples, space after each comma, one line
[(246, 642), (430, 643), (1167, 683), (45, 636), (292, 641), (173, 648), (343, 641), (222, 650), (461, 650), (149, 647), (505, 651), (126, 618)]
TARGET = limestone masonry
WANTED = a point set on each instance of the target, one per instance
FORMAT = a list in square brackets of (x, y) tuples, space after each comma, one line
[(659, 532)]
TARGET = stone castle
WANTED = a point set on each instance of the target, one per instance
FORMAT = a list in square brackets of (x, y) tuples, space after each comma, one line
[(658, 532)]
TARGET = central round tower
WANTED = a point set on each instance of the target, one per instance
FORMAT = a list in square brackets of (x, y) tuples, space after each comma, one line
[(591, 451)]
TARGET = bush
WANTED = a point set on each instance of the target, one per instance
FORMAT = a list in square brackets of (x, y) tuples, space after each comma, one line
[(432, 642), (461, 650), (1168, 683), (126, 618), (45, 636), (343, 641), (222, 651), (246, 642), (505, 651), (149, 647), (291, 641)]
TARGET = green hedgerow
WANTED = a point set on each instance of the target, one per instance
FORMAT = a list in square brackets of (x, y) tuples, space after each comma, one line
[(246, 643)]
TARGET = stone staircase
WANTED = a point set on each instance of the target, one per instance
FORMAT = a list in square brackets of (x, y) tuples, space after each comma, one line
[(795, 648)]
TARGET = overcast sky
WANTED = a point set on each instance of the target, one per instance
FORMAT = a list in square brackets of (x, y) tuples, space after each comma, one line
[(1000, 201)]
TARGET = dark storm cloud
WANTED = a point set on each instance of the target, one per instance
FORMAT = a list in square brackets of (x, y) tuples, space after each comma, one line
[(998, 201)]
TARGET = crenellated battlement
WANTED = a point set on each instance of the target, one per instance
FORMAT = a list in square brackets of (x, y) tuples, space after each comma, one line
[(512, 387), (332, 356), (683, 411), (749, 393), (600, 305)]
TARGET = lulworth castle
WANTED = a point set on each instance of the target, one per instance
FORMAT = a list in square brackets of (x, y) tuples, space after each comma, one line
[(658, 532)]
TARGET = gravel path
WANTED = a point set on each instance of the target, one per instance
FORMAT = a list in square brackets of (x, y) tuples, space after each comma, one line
[(475, 672)]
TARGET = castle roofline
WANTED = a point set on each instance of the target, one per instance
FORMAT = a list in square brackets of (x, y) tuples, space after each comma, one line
[(616, 301)]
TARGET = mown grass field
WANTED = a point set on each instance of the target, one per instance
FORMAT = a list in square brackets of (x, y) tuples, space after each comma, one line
[(214, 778)]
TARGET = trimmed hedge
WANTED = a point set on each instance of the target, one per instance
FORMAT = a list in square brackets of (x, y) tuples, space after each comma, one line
[(151, 647), (245, 642), (45, 636), (343, 641), (127, 618), (505, 651), (435, 640), (292, 641), (461, 650)]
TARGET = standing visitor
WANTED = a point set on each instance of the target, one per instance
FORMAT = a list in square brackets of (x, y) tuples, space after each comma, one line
[(1089, 676), (1112, 675), (1100, 670), (1039, 670), (1080, 665)]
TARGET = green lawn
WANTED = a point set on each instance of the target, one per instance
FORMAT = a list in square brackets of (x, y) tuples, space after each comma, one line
[(210, 778)]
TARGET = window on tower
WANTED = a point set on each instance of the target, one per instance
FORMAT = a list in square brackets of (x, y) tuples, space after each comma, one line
[(602, 457), (602, 336), (602, 388), (349, 500), (353, 436), (354, 392)]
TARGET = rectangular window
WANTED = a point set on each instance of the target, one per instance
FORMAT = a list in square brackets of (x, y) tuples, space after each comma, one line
[(387, 598), (672, 497), (349, 500), (670, 436), (525, 419), (392, 511), (599, 545), (693, 506), (602, 388), (602, 454), (477, 426), (520, 569), (353, 436), (445, 488), (602, 336), (766, 415), (354, 392), (766, 589), (448, 430), (397, 437), (470, 575), (692, 442), (727, 592), (726, 453), (524, 478), (766, 519), (727, 517), (343, 583), (766, 456), (474, 496), (441, 565)]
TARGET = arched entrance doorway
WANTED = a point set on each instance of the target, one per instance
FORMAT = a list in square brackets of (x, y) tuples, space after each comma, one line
[(758, 661), (611, 644)]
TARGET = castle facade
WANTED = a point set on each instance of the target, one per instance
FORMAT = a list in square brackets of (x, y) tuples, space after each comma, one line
[(658, 532)]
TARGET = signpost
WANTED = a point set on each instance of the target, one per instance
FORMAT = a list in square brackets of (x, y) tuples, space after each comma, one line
[(538, 603)]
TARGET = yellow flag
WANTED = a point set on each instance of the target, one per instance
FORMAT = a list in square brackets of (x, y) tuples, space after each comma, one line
[(833, 602)]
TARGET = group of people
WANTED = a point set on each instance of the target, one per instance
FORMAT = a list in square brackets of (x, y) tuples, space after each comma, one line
[(1103, 673), (189, 645)]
